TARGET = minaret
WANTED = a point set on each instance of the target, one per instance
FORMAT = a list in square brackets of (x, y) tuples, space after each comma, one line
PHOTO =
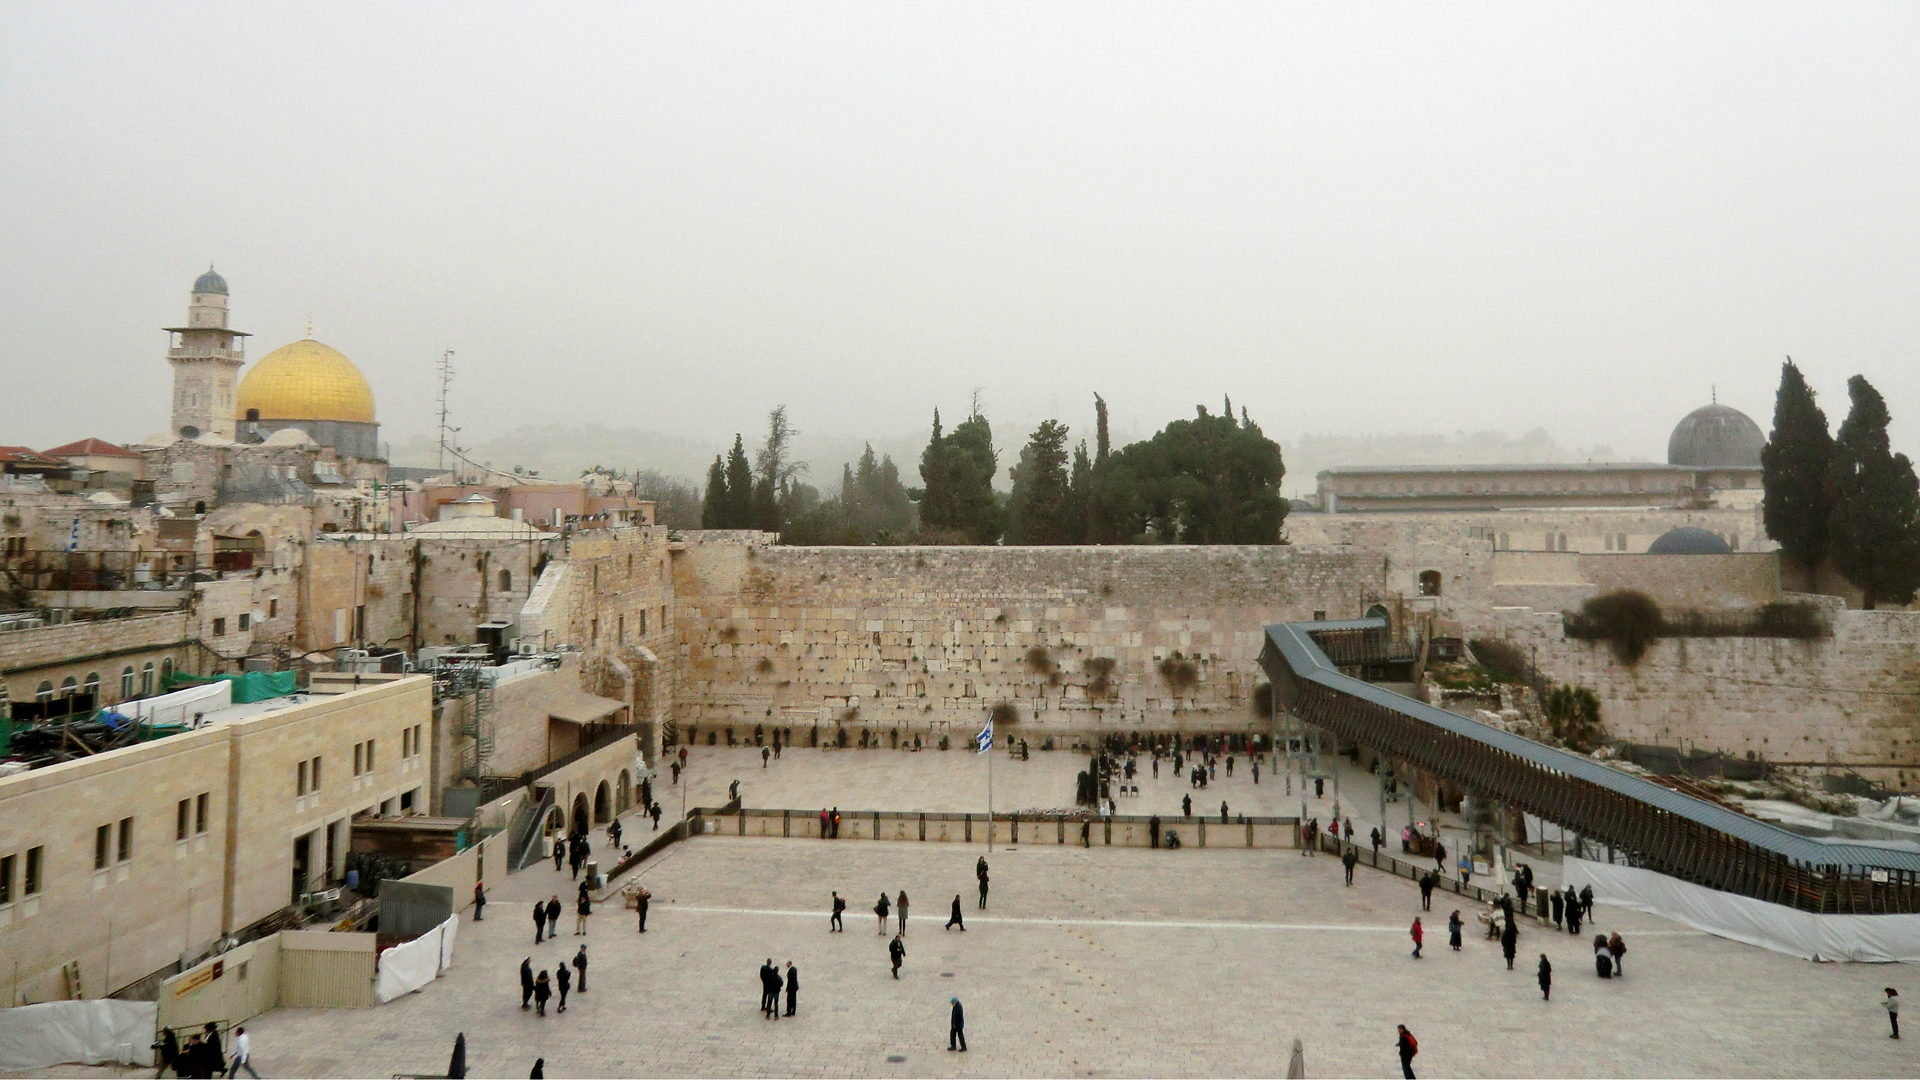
[(206, 358)]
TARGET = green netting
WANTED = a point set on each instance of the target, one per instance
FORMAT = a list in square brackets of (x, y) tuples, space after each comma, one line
[(260, 685)]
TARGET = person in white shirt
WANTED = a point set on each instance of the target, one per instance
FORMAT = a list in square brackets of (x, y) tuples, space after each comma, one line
[(242, 1055)]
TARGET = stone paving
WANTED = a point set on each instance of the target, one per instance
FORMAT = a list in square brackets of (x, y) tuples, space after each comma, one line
[(1101, 962)]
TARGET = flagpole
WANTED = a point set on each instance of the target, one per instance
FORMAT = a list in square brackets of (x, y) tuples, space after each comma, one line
[(989, 790)]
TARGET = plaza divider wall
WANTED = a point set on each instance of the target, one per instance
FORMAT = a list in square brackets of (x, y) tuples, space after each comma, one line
[(1124, 830)]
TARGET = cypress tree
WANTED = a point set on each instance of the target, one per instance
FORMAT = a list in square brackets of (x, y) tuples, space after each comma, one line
[(936, 500), (1794, 466), (1038, 511), (739, 513), (1874, 529), (714, 507)]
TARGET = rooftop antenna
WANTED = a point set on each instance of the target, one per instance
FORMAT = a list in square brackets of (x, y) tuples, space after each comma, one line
[(446, 380), (1713, 389)]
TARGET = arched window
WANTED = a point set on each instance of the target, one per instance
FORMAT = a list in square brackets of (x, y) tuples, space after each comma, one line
[(1505, 542), (1620, 541), (1609, 539), (1563, 541), (1549, 543), (506, 581), (93, 686), (68, 686), (126, 683), (146, 679), (44, 694), (1734, 541), (166, 670), (1429, 583)]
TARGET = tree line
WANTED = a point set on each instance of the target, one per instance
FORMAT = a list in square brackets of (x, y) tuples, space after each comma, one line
[(1846, 497), (1208, 480)]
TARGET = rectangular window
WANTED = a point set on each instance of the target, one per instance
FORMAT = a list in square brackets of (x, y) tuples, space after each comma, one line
[(200, 812), (356, 759), (273, 609), (643, 624), (300, 785), (416, 740), (182, 813), (36, 864), (370, 755), (220, 627), (6, 879), (126, 840), (360, 623), (102, 846), (246, 620), (623, 629), (316, 774)]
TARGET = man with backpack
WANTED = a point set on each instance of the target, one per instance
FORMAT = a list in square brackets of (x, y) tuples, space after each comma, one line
[(1408, 1046)]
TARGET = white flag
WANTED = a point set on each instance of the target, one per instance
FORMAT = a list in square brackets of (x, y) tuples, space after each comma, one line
[(984, 740)]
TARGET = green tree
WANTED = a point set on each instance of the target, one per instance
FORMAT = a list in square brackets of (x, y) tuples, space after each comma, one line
[(676, 503), (1039, 510), (776, 475), (958, 503), (874, 502), (739, 510), (1796, 466), (715, 507), (1079, 495), (1874, 529), (1209, 480)]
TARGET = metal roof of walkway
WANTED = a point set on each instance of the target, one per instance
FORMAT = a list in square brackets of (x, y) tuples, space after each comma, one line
[(1660, 828)]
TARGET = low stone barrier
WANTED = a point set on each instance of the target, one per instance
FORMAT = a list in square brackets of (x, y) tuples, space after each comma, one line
[(1122, 830)]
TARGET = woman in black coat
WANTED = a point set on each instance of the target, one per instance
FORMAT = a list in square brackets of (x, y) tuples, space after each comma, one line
[(1546, 978)]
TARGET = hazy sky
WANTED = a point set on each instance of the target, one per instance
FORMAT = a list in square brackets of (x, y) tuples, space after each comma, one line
[(1355, 218)]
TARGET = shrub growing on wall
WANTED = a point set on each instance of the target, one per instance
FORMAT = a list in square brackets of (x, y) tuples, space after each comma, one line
[(1626, 619), (1574, 714)]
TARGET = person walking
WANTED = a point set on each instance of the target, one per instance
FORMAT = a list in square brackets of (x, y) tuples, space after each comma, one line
[(1348, 859), (1153, 830), (1186, 806), (1557, 902), (1619, 950), (560, 847), (656, 817), (1376, 844), (1546, 978), (580, 967), (793, 987), (539, 1071), (526, 982), (479, 901), (582, 908), (980, 871), (1419, 936), (900, 908), (881, 910), (953, 920), (896, 951), (1426, 891), (733, 791), (957, 1028), (1892, 1005), (542, 991), (242, 1055), (216, 1058), (553, 916), (1223, 811), (1602, 959), (834, 926), (1086, 833), (1466, 869), (539, 922), (1573, 911), (836, 823), (1509, 940), (1586, 902), (613, 831), (1454, 925), (1408, 1046), (563, 979), (766, 755), (641, 899)]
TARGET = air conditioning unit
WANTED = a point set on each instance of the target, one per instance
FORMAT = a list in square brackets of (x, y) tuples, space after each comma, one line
[(526, 648)]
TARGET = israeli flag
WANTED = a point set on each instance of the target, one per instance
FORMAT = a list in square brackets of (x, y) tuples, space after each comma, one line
[(984, 740), (73, 538)]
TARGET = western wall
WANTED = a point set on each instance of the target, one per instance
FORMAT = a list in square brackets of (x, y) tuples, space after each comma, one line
[(927, 640)]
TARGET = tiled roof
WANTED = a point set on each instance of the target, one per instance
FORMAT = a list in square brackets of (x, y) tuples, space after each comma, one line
[(91, 448)]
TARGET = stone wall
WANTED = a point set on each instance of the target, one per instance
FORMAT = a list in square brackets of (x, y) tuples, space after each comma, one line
[(926, 640), (1560, 581), (1853, 699), (461, 583), (99, 649)]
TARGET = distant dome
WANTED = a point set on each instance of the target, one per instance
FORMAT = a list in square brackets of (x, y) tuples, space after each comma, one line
[(1688, 540), (306, 381), (210, 282), (292, 436), (1716, 437)]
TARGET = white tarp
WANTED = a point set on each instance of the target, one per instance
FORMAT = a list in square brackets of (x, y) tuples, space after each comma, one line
[(102, 1032), (406, 968), (1878, 939), (180, 706)]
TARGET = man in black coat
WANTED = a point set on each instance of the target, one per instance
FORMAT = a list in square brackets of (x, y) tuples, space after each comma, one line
[(953, 920), (553, 915), (1427, 882), (1347, 860), (896, 952), (957, 1029), (1153, 830), (793, 987), (580, 965), (539, 922), (565, 979), (769, 990), (526, 982)]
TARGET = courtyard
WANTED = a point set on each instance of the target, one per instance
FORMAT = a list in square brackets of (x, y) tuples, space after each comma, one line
[(1087, 963)]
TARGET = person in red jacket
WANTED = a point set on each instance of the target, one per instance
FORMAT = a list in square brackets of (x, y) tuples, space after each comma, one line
[(1419, 936)]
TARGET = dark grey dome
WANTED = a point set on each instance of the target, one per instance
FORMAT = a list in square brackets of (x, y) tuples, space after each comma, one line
[(210, 282), (1716, 437), (1687, 540)]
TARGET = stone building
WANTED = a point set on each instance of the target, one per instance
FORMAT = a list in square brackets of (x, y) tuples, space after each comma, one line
[(206, 356)]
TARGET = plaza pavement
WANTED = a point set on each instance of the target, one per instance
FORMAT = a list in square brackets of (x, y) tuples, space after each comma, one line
[(1090, 962)]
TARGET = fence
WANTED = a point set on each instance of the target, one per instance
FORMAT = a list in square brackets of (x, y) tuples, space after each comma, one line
[(1124, 830)]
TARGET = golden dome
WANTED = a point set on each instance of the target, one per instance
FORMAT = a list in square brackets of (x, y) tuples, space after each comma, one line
[(306, 381)]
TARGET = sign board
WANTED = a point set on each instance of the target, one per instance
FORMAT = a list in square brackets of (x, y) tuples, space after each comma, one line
[(1879, 876), (199, 979)]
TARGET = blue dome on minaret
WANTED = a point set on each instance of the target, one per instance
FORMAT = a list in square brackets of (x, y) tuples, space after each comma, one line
[(210, 282)]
